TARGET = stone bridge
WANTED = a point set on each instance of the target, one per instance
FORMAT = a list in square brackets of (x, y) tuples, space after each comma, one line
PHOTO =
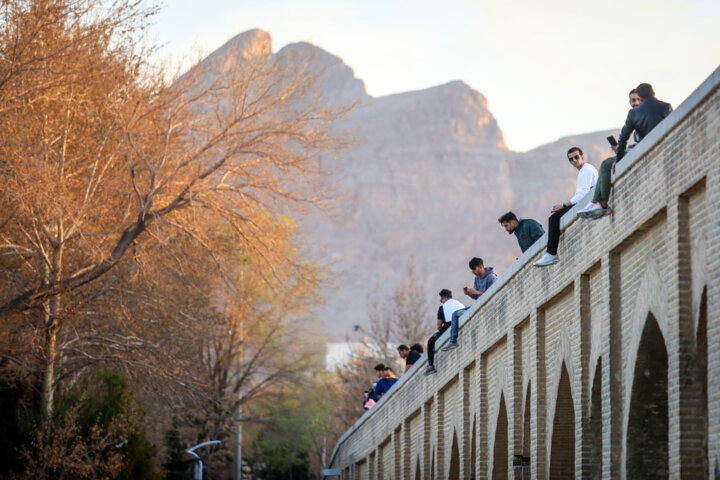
[(596, 367)]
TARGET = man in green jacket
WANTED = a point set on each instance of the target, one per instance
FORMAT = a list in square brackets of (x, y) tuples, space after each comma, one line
[(527, 230)]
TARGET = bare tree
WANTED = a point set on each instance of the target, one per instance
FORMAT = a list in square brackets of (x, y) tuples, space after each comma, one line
[(403, 317), (412, 314)]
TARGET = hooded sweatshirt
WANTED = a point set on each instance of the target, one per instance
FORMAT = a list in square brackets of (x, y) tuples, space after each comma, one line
[(484, 282)]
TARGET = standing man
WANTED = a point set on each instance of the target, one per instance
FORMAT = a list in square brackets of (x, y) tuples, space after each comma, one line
[(448, 306), (646, 113), (410, 356), (484, 278), (587, 177), (527, 230)]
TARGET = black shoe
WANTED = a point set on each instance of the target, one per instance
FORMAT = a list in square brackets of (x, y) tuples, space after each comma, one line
[(430, 370)]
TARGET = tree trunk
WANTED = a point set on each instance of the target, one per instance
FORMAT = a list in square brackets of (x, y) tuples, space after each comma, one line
[(48, 391), (52, 328)]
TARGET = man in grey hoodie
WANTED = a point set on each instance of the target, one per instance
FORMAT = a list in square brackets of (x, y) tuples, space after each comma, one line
[(484, 278)]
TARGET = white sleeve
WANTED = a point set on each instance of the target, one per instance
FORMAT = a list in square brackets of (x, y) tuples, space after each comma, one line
[(586, 180)]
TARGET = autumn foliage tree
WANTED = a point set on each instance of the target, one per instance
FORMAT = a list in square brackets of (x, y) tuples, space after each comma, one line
[(142, 221)]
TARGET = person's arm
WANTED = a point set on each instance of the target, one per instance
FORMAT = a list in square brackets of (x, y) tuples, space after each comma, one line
[(584, 185), (536, 231), (472, 293), (627, 129)]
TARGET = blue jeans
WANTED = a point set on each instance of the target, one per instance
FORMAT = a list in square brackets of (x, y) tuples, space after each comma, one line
[(455, 323)]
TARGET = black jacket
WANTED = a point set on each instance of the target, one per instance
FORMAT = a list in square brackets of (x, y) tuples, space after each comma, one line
[(642, 119)]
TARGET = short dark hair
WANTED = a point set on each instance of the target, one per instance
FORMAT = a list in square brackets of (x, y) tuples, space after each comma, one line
[(418, 348), (634, 90), (575, 149), (380, 366), (508, 217), (475, 262), (445, 293), (403, 347), (388, 367), (645, 90)]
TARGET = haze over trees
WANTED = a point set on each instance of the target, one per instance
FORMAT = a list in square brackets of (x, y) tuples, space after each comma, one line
[(145, 228)]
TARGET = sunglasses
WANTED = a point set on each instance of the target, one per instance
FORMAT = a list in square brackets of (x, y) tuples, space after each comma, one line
[(574, 157)]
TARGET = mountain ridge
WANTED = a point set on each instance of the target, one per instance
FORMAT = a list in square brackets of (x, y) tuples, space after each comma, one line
[(424, 182)]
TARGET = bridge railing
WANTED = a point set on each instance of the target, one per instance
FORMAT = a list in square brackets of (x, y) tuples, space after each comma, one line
[(628, 163)]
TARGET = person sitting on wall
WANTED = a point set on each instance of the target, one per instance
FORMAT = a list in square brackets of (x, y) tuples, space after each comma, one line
[(418, 348), (587, 177), (387, 380), (484, 278), (410, 356), (646, 113), (448, 306), (527, 231)]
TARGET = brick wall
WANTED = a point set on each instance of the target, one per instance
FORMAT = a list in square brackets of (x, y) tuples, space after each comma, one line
[(625, 328)]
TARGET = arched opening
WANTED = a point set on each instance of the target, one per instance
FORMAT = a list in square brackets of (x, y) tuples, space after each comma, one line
[(647, 431), (454, 473), (702, 362), (500, 448), (595, 424), (562, 453), (526, 441), (417, 469), (473, 451)]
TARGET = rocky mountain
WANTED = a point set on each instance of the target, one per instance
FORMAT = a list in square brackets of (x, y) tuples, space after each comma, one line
[(424, 182)]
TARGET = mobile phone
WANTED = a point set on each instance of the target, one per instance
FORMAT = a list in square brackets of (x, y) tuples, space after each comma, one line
[(611, 140)]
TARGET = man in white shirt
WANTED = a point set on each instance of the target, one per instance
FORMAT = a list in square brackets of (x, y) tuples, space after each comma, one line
[(587, 177), (448, 306)]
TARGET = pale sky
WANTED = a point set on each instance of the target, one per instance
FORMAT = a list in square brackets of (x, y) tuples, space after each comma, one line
[(548, 69)]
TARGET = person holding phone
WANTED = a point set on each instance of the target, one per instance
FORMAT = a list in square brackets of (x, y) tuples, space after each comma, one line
[(645, 114)]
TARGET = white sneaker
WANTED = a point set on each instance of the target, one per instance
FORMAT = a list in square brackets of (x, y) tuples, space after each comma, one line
[(547, 260), (590, 210), (605, 212)]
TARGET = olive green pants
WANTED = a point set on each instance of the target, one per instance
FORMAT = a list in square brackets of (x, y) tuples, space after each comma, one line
[(603, 185)]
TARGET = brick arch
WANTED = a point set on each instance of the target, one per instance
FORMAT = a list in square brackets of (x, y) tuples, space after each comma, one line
[(595, 424), (454, 472), (563, 363), (562, 450), (500, 446), (647, 426)]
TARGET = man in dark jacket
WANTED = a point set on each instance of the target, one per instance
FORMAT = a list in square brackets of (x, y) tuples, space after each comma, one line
[(527, 231), (599, 207), (642, 118), (646, 113)]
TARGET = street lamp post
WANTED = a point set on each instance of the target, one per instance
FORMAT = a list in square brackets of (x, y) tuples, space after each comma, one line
[(198, 463)]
